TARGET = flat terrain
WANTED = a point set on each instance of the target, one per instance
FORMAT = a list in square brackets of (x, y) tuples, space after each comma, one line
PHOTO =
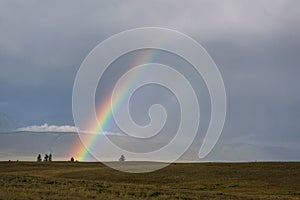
[(65, 180)]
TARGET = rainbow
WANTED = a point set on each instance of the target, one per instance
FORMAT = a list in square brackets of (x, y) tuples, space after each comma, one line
[(104, 114)]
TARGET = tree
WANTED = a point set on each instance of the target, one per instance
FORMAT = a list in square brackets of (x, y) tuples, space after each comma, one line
[(122, 158), (46, 158), (50, 157), (39, 158), (72, 159)]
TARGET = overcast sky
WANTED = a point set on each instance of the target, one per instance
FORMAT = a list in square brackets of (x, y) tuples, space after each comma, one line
[(255, 44)]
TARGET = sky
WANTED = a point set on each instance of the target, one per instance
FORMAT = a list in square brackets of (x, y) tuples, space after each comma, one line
[(255, 44)]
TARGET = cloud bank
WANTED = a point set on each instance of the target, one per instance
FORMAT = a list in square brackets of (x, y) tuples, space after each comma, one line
[(64, 128), (48, 128)]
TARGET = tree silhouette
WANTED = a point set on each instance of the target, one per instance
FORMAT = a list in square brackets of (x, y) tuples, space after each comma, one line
[(39, 158), (122, 158), (46, 158), (72, 159), (50, 157)]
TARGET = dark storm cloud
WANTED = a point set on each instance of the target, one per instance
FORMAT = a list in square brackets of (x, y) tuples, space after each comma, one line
[(255, 45)]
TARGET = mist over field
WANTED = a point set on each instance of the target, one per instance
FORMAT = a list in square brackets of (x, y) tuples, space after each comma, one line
[(26, 145)]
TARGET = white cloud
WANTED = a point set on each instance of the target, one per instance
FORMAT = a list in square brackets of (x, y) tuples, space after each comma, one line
[(64, 128), (49, 128)]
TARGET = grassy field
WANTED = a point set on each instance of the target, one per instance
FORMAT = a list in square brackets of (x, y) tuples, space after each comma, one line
[(62, 180)]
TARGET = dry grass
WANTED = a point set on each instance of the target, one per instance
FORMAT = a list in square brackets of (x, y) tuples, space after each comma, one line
[(61, 180)]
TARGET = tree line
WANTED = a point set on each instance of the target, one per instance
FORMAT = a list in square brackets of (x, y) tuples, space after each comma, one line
[(47, 158)]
